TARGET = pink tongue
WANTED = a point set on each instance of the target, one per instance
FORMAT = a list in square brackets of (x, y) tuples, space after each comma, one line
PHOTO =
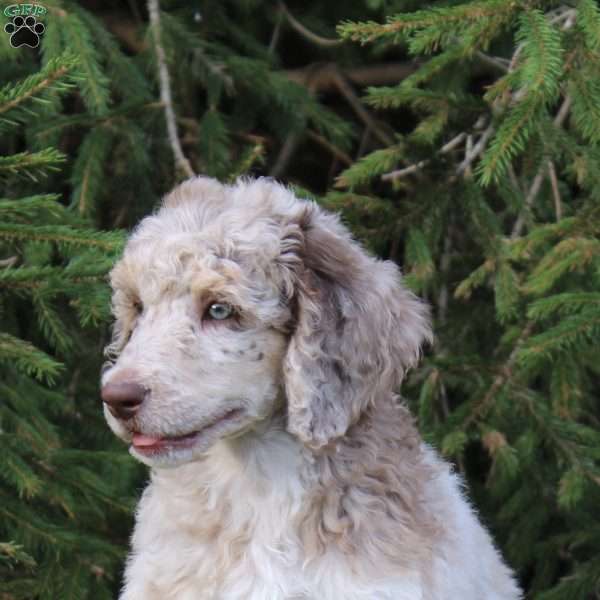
[(144, 440)]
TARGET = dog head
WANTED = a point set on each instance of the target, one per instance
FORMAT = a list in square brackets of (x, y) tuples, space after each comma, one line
[(235, 302)]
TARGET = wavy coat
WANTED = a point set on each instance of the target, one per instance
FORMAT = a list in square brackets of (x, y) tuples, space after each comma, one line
[(325, 491)]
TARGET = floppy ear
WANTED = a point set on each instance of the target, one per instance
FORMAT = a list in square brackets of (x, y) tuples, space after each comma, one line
[(357, 328)]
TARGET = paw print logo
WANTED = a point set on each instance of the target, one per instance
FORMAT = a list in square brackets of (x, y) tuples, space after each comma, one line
[(24, 32)]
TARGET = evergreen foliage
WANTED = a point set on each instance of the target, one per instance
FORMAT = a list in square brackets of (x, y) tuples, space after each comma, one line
[(501, 226), (471, 159), (61, 492)]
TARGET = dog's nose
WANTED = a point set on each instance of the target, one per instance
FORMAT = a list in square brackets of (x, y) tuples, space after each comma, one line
[(123, 399)]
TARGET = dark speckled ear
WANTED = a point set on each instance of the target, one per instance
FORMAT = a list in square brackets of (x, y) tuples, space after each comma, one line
[(358, 329)]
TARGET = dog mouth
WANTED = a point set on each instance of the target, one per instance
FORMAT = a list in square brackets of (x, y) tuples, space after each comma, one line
[(150, 445)]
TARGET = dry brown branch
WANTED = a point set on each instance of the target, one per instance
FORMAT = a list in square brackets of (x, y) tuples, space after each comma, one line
[(335, 151), (359, 108), (306, 33), (322, 79), (127, 31)]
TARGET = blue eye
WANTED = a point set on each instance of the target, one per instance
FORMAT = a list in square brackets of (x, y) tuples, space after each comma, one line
[(219, 311)]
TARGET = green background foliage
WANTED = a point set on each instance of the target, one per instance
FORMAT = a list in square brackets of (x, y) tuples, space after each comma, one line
[(460, 139)]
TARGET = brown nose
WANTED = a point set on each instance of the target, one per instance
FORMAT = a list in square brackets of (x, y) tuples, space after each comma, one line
[(123, 399)]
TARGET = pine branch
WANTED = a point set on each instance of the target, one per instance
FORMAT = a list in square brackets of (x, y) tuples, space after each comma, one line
[(589, 23), (572, 253), (93, 82), (61, 279), (88, 171), (14, 95), (370, 166), (32, 208), (540, 45), (51, 325), (562, 304), (31, 164), (443, 18), (27, 358), (63, 236)]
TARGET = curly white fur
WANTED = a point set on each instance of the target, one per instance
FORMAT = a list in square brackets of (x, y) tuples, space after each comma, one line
[(320, 487)]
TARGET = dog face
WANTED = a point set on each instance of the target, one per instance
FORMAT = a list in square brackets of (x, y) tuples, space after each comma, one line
[(234, 302)]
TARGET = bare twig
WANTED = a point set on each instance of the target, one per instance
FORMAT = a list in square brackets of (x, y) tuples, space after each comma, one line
[(536, 185), (529, 199), (364, 140), (306, 33), (468, 151), (563, 13), (555, 190), (448, 147), (515, 58), (181, 162), (476, 151), (339, 154), (494, 61), (276, 32), (285, 155), (354, 101), (513, 179), (11, 261), (399, 173)]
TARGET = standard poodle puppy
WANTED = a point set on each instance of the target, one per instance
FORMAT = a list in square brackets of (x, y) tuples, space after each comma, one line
[(256, 353)]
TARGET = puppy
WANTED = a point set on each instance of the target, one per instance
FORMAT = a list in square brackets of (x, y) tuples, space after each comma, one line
[(256, 353)]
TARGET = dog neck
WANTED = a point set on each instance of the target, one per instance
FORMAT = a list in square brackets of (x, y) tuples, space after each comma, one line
[(379, 468)]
